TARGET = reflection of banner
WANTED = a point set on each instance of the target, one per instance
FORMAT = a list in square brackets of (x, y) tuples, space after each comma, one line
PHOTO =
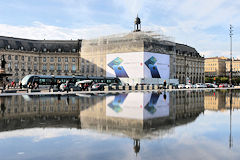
[(138, 105), (115, 104), (138, 65)]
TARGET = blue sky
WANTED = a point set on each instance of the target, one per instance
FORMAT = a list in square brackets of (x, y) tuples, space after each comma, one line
[(202, 24)]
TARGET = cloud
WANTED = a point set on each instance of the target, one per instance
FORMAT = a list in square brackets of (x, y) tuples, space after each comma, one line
[(42, 31), (38, 134), (201, 24)]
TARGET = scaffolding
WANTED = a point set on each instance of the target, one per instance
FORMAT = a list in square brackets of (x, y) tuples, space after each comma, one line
[(146, 36)]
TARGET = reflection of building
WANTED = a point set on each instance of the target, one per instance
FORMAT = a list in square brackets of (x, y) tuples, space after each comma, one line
[(220, 101), (88, 57)]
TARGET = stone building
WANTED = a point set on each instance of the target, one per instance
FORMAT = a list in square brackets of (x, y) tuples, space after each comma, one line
[(189, 65), (88, 57), (235, 67), (215, 67), (46, 57)]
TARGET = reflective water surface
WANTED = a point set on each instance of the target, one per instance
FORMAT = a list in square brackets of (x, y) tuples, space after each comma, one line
[(137, 125)]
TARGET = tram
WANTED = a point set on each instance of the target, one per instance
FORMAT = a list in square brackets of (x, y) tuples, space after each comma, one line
[(47, 80)]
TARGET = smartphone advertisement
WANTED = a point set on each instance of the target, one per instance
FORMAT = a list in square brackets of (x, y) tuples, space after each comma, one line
[(138, 105), (138, 65)]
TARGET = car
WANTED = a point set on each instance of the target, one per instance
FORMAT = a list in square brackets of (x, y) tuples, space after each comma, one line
[(200, 85), (210, 85), (64, 87), (180, 86), (189, 86), (98, 86)]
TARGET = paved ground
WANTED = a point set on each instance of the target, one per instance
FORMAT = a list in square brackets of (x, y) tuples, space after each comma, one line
[(46, 92)]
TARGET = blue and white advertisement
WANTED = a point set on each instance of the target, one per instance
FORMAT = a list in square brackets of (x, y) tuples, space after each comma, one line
[(138, 65), (138, 105)]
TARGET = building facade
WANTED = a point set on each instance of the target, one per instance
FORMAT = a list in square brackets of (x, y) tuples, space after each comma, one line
[(89, 57), (215, 66), (189, 65), (220, 67)]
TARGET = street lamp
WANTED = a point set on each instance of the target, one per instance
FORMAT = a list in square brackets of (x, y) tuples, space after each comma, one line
[(230, 34)]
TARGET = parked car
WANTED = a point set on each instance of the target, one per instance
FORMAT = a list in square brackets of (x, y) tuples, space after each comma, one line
[(210, 85), (98, 86), (64, 87), (200, 85), (223, 85), (189, 86), (180, 86)]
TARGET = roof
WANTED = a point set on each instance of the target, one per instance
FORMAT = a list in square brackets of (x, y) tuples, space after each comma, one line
[(185, 49), (39, 45)]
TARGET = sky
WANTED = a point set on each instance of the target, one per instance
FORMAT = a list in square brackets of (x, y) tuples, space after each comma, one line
[(203, 24)]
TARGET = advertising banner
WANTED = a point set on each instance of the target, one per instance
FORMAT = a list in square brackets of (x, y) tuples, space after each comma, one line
[(138, 65), (138, 105)]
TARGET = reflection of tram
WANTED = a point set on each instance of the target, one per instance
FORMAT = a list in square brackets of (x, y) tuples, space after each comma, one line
[(44, 80)]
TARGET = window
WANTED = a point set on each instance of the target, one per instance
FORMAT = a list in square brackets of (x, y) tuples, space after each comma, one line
[(51, 59), (23, 65), (51, 67), (9, 57), (82, 69), (92, 69), (35, 58), (73, 59), (16, 65), (59, 68), (9, 66), (83, 60), (44, 67), (16, 57), (22, 58), (29, 59), (59, 59), (66, 67), (44, 59), (87, 70), (73, 67), (29, 66), (35, 66), (73, 50), (66, 59)]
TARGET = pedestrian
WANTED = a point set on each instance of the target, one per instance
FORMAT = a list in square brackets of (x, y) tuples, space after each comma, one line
[(52, 85), (67, 86), (58, 85), (20, 84), (164, 84), (4, 85)]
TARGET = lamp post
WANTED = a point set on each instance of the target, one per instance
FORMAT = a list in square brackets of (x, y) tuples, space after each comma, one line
[(230, 34)]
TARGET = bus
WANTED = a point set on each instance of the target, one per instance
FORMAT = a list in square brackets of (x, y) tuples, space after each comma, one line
[(47, 80)]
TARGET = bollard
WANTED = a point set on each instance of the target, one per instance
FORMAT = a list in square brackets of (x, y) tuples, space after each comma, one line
[(150, 87), (170, 87), (106, 88), (29, 91), (127, 88), (139, 87), (145, 87), (71, 89), (133, 88)]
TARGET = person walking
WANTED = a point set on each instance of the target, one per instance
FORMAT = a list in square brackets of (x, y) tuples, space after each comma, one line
[(164, 84)]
